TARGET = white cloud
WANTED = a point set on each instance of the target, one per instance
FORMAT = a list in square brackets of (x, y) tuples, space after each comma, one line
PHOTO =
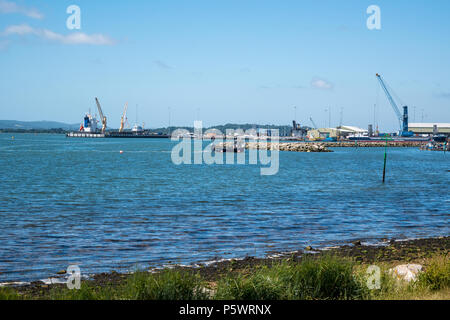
[(21, 29), (77, 38), (72, 38), (321, 84), (162, 64), (12, 7)]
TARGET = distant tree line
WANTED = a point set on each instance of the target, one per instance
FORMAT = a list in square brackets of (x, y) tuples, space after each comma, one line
[(283, 129), (53, 130)]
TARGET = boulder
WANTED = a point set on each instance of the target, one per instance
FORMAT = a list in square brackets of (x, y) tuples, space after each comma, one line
[(407, 272)]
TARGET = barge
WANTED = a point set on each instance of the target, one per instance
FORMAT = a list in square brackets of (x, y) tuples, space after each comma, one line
[(89, 129), (115, 134)]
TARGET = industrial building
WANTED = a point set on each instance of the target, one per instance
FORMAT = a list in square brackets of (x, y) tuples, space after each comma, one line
[(297, 130), (339, 132), (430, 128)]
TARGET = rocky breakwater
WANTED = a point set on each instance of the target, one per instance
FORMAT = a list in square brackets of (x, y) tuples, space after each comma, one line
[(288, 146), (368, 144)]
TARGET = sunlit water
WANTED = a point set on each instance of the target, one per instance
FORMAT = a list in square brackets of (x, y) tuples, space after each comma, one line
[(79, 201)]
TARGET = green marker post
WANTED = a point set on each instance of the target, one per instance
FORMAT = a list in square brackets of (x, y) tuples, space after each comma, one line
[(385, 158)]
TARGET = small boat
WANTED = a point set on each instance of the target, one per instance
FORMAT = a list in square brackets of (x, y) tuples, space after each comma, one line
[(439, 138), (436, 146)]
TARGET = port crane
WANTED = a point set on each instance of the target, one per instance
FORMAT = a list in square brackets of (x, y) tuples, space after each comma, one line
[(314, 124), (102, 117), (123, 119), (402, 119)]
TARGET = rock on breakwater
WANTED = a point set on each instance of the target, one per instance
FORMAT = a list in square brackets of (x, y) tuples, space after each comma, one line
[(288, 146), (321, 146), (367, 144)]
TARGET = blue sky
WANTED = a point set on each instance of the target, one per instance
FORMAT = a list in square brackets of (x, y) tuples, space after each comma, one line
[(224, 61)]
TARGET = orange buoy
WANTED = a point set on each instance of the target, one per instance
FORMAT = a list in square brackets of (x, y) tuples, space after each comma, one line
[(121, 151)]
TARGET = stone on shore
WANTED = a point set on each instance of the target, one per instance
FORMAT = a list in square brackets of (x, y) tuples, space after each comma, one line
[(407, 272)]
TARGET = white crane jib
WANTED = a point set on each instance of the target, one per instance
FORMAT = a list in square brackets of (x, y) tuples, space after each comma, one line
[(102, 117), (123, 119), (391, 100), (314, 124)]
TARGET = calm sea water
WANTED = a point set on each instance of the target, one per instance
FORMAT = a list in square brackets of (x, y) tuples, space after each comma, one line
[(79, 201)]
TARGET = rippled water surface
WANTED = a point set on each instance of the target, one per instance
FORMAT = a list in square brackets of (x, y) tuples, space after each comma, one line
[(79, 201)]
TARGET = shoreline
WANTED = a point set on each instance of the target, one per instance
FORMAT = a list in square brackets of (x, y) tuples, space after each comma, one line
[(393, 251)]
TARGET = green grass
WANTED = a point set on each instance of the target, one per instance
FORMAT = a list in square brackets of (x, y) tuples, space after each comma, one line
[(436, 275), (9, 294), (167, 285), (327, 277), (432, 283), (262, 285)]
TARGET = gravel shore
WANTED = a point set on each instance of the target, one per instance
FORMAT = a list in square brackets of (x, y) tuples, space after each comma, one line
[(391, 251)]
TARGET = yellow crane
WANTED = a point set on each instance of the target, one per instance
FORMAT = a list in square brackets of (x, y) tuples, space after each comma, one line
[(102, 117), (123, 119)]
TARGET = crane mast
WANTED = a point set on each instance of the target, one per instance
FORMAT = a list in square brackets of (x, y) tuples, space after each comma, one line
[(123, 118), (402, 119), (314, 124), (102, 117)]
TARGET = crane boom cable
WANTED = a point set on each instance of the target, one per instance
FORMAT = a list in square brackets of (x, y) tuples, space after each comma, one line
[(391, 100), (100, 112), (314, 124), (102, 117)]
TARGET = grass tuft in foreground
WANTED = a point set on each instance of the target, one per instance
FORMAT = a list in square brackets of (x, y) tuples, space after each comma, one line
[(167, 285), (326, 278), (436, 275)]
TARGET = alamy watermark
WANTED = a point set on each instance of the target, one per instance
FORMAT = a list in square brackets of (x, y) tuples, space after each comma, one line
[(74, 20), (74, 279), (374, 20), (373, 273), (190, 149)]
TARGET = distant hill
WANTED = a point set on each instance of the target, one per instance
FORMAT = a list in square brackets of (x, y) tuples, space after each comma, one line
[(40, 125)]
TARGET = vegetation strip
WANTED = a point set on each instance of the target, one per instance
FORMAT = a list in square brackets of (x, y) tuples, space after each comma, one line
[(338, 273)]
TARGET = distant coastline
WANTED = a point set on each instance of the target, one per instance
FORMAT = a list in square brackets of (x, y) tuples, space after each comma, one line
[(15, 126), (52, 131)]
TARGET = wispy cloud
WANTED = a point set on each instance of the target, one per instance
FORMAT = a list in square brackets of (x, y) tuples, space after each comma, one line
[(72, 38), (21, 30), (323, 84), (445, 95), (3, 44), (12, 7), (77, 38), (162, 64)]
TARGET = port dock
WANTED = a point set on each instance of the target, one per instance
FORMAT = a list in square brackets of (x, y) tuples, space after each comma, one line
[(115, 134), (85, 135)]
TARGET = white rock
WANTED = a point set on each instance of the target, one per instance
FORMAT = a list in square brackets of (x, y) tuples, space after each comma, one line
[(407, 272)]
